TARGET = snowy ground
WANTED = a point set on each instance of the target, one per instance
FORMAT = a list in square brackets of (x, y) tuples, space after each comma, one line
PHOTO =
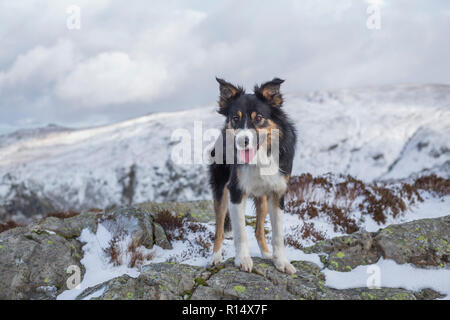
[(391, 275), (99, 269)]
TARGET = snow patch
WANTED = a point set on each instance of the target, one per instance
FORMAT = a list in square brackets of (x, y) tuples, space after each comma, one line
[(97, 263), (391, 275)]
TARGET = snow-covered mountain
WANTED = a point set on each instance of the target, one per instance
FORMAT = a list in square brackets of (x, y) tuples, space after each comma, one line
[(389, 132)]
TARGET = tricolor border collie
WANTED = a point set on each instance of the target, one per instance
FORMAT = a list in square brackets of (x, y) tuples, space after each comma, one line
[(258, 129)]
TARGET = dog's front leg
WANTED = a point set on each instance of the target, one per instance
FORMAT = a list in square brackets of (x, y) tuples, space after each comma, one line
[(276, 219), (242, 258)]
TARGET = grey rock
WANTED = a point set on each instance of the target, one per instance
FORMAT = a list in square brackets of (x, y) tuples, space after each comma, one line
[(135, 221), (34, 259), (232, 284), (424, 243), (34, 262), (159, 281), (197, 211), (71, 227), (346, 252), (169, 281), (265, 282)]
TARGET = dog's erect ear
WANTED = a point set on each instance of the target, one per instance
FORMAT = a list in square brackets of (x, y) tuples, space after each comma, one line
[(228, 92), (270, 92)]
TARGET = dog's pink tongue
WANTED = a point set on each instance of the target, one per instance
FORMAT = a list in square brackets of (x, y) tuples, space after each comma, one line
[(247, 155)]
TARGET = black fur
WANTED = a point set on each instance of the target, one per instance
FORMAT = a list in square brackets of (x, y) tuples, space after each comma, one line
[(266, 101)]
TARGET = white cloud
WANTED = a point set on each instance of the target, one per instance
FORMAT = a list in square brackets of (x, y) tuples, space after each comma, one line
[(40, 66), (153, 66), (113, 78), (144, 57)]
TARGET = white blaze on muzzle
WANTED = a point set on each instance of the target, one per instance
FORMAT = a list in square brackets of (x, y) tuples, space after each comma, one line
[(245, 145)]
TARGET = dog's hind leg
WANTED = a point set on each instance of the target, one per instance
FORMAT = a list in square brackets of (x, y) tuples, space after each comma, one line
[(261, 213), (221, 211)]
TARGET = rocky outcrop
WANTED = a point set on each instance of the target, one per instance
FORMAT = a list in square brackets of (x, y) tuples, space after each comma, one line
[(265, 282), (34, 261), (163, 281), (423, 243), (198, 211), (159, 281)]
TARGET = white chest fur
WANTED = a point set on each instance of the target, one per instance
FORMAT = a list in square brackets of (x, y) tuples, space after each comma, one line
[(256, 182)]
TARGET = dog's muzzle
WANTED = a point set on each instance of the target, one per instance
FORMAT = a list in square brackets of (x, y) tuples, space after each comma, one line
[(246, 146)]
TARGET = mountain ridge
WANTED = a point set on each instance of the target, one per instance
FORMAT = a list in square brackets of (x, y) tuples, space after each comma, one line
[(390, 132)]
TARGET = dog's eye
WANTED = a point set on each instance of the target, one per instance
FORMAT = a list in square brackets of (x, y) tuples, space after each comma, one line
[(258, 118), (236, 118)]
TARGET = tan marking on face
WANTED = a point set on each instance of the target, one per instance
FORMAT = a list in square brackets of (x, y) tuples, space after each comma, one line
[(253, 115), (239, 113)]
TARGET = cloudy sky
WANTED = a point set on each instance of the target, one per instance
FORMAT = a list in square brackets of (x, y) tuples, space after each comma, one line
[(131, 58)]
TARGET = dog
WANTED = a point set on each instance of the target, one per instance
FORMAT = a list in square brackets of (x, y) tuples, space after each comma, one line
[(258, 129)]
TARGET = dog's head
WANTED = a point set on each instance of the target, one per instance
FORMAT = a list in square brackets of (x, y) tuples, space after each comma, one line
[(252, 118)]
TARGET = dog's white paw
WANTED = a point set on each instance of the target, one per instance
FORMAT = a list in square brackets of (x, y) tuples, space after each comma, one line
[(217, 258), (284, 266), (245, 263)]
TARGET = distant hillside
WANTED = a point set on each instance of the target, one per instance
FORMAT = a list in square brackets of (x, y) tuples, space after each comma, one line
[(389, 132)]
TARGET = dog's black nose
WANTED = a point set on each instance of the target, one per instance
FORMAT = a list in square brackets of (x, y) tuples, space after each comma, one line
[(246, 141)]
